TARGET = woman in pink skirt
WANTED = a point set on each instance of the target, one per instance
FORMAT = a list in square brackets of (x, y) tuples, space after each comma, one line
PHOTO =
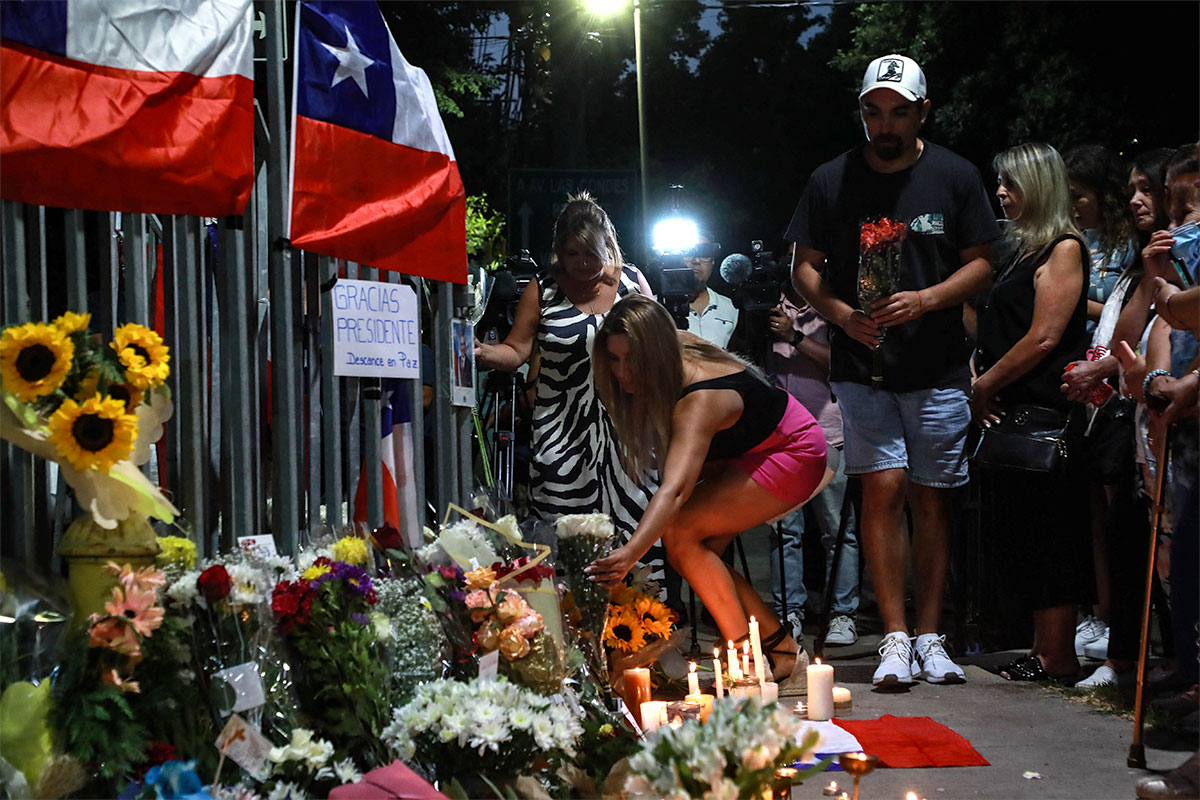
[(732, 451)]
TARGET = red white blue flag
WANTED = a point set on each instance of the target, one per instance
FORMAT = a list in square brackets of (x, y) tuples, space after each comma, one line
[(138, 105), (374, 178), (396, 452)]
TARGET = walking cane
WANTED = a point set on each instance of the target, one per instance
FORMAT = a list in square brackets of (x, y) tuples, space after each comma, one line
[(1137, 750)]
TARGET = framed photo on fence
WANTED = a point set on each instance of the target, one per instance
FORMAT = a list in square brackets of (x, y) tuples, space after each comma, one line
[(462, 373)]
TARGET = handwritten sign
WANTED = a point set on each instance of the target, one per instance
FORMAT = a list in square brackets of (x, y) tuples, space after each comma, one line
[(245, 746), (375, 330)]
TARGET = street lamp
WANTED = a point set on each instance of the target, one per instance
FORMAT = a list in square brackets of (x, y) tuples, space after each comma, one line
[(606, 8)]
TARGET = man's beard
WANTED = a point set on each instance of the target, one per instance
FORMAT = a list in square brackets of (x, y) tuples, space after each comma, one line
[(887, 148)]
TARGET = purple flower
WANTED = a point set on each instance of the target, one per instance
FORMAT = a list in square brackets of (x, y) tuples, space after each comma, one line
[(360, 618), (457, 596)]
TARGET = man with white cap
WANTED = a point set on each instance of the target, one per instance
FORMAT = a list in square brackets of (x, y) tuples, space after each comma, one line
[(903, 395)]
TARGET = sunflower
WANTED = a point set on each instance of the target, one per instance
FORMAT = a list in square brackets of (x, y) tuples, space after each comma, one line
[(622, 595), (34, 359), (143, 355), (624, 632), (126, 393), (70, 322), (93, 435), (656, 618)]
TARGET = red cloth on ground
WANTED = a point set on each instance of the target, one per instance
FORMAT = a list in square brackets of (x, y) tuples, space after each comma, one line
[(395, 780), (912, 742)]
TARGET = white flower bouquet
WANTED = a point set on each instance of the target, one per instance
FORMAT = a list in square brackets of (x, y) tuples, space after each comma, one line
[(494, 729), (734, 755)]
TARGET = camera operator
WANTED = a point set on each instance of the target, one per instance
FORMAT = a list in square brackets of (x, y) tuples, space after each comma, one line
[(711, 315)]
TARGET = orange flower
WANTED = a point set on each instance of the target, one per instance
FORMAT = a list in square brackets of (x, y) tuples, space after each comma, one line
[(115, 634), (137, 607), (512, 607), (480, 578), (488, 637), (113, 678), (513, 644)]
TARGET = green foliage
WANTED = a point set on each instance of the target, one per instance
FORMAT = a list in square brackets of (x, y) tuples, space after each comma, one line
[(484, 228), (463, 84)]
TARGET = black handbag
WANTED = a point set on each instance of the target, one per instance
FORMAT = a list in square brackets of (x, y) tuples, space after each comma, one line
[(1028, 438)]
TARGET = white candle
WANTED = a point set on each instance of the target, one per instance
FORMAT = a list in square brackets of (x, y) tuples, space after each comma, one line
[(654, 713), (756, 646), (693, 679), (831, 789), (770, 691), (820, 691), (735, 671), (843, 702), (746, 659), (717, 670)]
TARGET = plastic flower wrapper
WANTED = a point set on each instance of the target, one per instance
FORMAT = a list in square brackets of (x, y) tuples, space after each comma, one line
[(341, 680), (880, 240), (418, 648), (735, 754), (640, 627), (237, 654), (582, 538), (493, 729)]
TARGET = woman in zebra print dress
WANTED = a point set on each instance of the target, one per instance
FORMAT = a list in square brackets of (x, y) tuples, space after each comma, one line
[(576, 464)]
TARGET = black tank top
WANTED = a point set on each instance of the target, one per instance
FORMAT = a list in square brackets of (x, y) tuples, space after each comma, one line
[(764, 406)]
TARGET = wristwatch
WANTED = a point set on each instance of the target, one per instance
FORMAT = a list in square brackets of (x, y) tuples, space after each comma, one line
[(797, 338)]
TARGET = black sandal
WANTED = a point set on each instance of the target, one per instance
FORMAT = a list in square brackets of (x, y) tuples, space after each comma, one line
[(796, 682), (1029, 668)]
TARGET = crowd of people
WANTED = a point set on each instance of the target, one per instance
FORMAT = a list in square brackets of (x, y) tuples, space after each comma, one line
[(1054, 350)]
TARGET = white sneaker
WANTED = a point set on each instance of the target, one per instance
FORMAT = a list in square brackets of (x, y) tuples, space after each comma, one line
[(1097, 648), (1103, 676), (1089, 631), (931, 662), (895, 666), (797, 623), (841, 631)]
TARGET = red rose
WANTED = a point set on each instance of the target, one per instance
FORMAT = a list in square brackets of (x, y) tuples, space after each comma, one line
[(214, 584)]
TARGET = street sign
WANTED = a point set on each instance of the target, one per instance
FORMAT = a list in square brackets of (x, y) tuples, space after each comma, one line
[(537, 196)]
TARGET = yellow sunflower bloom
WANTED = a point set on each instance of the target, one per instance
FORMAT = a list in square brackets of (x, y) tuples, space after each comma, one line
[(143, 355), (622, 595), (624, 632), (127, 393), (34, 360), (93, 435), (656, 618), (71, 322)]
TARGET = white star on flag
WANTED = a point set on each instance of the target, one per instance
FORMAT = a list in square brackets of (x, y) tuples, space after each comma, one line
[(351, 63)]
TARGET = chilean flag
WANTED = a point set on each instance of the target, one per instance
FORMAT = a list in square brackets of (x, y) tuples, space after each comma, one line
[(396, 452), (138, 105), (374, 178)]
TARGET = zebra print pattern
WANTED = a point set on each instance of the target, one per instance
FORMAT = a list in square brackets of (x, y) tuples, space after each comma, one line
[(576, 465)]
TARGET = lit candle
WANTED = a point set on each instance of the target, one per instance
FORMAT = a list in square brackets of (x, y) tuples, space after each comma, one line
[(831, 789), (843, 702), (799, 710), (756, 646), (735, 671), (637, 688), (693, 679), (770, 691), (820, 691), (654, 713), (705, 701), (717, 671), (911, 796), (746, 659)]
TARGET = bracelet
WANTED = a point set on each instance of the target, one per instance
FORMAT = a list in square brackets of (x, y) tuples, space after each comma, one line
[(797, 338), (1149, 379), (921, 303)]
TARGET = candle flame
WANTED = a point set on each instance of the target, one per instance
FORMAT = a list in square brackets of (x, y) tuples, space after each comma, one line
[(910, 796), (730, 644), (716, 652), (692, 666), (818, 661)]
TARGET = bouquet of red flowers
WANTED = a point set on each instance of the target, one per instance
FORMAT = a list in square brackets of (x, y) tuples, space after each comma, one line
[(327, 620), (879, 242)]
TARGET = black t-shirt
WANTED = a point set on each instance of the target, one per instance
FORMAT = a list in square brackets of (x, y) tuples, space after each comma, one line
[(942, 201)]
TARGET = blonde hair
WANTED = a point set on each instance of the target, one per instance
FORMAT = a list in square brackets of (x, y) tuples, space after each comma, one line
[(584, 219), (1037, 171), (643, 419)]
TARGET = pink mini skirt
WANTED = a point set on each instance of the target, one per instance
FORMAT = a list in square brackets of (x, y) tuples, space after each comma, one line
[(789, 463)]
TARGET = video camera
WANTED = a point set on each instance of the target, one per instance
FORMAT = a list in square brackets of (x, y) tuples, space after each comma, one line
[(757, 280), (507, 287), (677, 283)]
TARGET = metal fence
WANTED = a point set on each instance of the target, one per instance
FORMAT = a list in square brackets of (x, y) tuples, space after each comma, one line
[(264, 438)]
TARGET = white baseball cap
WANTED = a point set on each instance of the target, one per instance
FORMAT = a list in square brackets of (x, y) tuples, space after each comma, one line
[(896, 72)]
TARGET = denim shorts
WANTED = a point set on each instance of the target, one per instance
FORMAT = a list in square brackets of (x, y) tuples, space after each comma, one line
[(924, 431)]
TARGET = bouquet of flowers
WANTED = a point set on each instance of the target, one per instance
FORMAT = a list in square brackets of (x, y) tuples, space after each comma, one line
[(238, 657), (326, 617), (93, 408), (305, 767), (418, 645), (735, 754), (582, 538), (498, 728), (879, 271)]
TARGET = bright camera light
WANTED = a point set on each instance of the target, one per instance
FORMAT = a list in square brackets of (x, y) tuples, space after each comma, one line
[(602, 8), (675, 235)]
